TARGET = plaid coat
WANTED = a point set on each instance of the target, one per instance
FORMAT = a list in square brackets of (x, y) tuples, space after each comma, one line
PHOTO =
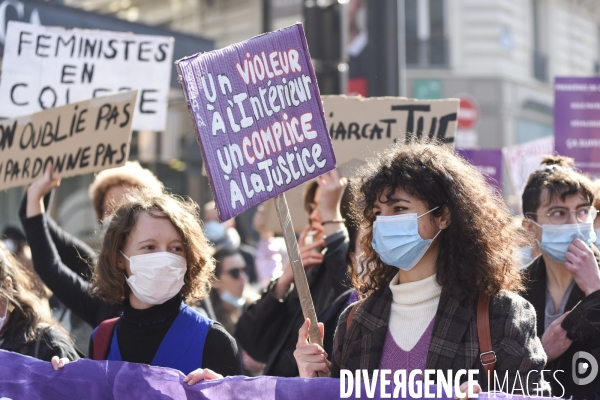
[(454, 343)]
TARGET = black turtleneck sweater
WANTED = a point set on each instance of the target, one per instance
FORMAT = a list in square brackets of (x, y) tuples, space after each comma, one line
[(140, 333)]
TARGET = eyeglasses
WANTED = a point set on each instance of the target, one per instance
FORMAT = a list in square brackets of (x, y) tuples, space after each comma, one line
[(561, 215), (235, 273)]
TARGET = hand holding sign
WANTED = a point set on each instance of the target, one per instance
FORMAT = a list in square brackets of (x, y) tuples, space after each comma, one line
[(310, 357)]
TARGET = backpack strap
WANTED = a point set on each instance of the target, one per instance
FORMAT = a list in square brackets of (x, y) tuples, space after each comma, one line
[(487, 354), (351, 315), (102, 338)]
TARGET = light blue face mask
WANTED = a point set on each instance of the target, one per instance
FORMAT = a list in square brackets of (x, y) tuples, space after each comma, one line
[(397, 241), (556, 239)]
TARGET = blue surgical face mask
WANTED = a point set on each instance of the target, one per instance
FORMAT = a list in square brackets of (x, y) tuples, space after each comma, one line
[(397, 241), (556, 239), (229, 298)]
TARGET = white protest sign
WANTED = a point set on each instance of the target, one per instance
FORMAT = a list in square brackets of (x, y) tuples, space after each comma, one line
[(45, 67), (76, 139), (523, 159)]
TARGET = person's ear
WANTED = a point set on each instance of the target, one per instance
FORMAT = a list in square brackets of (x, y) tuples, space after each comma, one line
[(121, 262), (444, 220), (529, 226)]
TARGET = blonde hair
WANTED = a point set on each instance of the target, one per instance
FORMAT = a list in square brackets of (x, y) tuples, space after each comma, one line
[(108, 281), (131, 174)]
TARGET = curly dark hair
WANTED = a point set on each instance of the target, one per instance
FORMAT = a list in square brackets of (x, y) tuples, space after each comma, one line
[(477, 252), (108, 281), (559, 178)]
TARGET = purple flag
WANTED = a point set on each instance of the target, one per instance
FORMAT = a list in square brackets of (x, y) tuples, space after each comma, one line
[(258, 116), (23, 377), (488, 162), (577, 121)]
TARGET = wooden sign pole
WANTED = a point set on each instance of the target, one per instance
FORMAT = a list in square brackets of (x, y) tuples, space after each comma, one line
[(308, 308)]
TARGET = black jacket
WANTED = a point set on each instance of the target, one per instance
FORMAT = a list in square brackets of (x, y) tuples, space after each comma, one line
[(268, 329), (63, 263), (582, 326), (50, 342)]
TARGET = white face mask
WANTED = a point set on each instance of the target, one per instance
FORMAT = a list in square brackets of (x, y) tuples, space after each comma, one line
[(156, 277)]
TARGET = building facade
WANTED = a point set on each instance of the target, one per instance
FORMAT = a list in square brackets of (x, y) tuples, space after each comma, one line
[(501, 54)]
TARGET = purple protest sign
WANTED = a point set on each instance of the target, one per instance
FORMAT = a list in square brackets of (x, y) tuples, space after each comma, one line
[(259, 118), (488, 162), (577, 121)]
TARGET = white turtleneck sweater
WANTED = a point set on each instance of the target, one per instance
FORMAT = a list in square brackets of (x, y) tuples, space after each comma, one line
[(413, 307)]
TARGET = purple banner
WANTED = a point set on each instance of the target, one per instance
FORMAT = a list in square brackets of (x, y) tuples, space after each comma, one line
[(28, 378), (577, 121), (488, 162), (258, 116)]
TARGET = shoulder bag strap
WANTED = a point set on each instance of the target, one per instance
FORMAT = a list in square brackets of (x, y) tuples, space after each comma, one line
[(351, 315), (487, 354)]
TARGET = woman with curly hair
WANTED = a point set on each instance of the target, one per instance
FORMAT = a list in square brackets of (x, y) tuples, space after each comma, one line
[(435, 239), (154, 257)]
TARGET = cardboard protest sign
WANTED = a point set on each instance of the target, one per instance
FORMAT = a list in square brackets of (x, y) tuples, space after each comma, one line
[(360, 127), (259, 118), (46, 67), (523, 159), (77, 139), (577, 121)]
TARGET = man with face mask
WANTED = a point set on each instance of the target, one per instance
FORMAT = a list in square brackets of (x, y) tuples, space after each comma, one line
[(563, 284)]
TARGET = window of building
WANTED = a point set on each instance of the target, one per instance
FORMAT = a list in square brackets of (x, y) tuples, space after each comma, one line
[(426, 42), (540, 40)]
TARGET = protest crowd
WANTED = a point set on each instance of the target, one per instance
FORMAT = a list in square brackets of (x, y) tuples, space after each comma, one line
[(409, 261), (399, 254)]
